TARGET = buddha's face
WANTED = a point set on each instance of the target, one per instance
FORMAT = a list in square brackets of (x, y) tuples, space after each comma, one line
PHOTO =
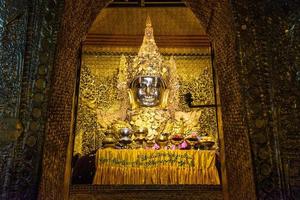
[(148, 90)]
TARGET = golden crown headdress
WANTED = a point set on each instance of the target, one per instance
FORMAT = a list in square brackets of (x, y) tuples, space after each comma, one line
[(148, 62)]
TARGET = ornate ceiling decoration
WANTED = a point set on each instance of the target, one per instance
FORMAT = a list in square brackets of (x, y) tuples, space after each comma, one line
[(174, 27)]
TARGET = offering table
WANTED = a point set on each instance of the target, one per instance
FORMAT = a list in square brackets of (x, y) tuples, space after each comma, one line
[(141, 166)]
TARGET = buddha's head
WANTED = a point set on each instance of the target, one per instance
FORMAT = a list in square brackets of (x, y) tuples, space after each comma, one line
[(147, 87), (148, 91)]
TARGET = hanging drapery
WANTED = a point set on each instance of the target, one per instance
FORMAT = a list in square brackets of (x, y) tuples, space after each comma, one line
[(139, 166)]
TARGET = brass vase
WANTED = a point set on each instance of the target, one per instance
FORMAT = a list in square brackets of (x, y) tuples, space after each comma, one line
[(176, 140), (206, 143), (192, 141), (140, 135), (162, 140), (125, 139), (150, 143), (109, 141)]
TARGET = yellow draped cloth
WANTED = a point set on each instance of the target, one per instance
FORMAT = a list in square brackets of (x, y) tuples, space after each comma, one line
[(140, 166)]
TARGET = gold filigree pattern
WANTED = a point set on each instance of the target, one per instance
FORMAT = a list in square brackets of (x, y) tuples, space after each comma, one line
[(195, 77), (95, 93)]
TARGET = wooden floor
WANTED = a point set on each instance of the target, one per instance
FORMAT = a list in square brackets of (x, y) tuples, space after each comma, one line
[(145, 192)]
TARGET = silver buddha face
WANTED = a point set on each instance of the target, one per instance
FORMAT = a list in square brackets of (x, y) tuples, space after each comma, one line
[(148, 90)]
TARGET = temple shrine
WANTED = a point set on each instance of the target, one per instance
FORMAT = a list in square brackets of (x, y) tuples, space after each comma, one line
[(146, 136)]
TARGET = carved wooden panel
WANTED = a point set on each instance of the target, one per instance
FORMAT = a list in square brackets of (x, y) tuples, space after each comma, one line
[(272, 93), (13, 28), (146, 192), (27, 43)]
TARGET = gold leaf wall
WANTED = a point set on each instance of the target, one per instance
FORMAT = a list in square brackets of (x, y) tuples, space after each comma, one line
[(98, 90)]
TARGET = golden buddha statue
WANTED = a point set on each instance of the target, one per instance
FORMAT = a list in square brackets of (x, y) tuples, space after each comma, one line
[(149, 94)]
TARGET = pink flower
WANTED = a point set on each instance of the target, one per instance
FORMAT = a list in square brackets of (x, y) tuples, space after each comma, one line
[(155, 147), (183, 145)]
